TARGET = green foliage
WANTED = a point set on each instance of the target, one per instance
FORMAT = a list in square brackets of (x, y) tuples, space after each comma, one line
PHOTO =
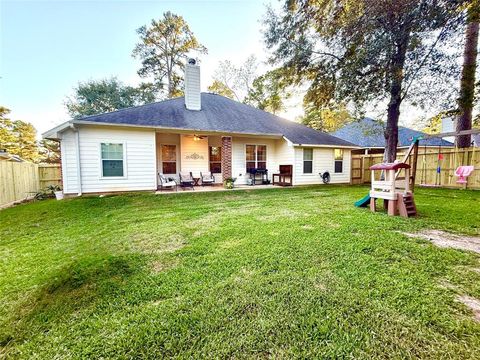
[(18, 137), (241, 83), (163, 48), (234, 81), (268, 92), (48, 192), (368, 52), (100, 96), (220, 88), (49, 151), (281, 273), (7, 137), (326, 119), (229, 182), (433, 125)]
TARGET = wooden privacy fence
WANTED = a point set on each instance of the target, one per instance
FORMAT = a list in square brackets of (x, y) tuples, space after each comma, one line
[(21, 180), (50, 175), (427, 164)]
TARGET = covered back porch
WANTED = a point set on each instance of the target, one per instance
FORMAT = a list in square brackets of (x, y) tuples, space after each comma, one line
[(222, 155)]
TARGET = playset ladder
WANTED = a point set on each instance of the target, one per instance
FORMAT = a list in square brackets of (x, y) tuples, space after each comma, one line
[(406, 205)]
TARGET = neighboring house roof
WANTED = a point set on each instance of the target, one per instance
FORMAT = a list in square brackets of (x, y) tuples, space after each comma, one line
[(9, 157), (218, 114), (368, 133)]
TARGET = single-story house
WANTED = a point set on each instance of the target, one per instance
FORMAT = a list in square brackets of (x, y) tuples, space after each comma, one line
[(369, 135), (124, 150)]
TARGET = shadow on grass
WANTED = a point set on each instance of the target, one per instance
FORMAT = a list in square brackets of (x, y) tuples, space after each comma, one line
[(74, 288)]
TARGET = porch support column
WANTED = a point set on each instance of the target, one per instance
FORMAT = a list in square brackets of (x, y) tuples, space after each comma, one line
[(226, 157)]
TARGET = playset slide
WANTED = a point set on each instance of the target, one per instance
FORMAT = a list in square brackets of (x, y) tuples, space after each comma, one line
[(363, 202)]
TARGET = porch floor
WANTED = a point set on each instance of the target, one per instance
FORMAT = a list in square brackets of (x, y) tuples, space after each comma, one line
[(219, 188)]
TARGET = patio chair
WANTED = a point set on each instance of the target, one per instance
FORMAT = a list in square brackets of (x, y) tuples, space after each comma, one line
[(165, 183), (186, 180), (207, 178)]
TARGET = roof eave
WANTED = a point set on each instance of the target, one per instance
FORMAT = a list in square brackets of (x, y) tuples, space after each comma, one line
[(54, 133), (68, 124), (330, 146)]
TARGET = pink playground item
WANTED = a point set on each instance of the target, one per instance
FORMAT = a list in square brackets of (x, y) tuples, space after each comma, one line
[(462, 173)]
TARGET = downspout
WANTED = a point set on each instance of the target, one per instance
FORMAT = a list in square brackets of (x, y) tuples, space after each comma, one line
[(77, 155)]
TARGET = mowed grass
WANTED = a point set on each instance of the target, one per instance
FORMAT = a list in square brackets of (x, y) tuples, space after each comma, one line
[(281, 273)]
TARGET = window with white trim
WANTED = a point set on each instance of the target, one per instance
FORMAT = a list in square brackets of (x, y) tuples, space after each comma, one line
[(338, 154), (307, 161), (256, 157), (112, 159)]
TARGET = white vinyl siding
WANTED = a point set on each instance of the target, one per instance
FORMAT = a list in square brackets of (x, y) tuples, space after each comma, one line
[(194, 154), (139, 155), (284, 153), (323, 160)]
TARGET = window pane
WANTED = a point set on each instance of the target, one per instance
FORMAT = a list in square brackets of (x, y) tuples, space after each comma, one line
[(112, 167), (112, 151), (262, 165), (250, 152), (215, 153), (169, 167), (215, 167), (338, 166), (338, 154), (250, 165), (307, 167), (169, 153), (307, 154), (261, 153)]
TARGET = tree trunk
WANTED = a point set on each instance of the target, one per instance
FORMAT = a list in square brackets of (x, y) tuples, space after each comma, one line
[(170, 85), (467, 82), (393, 112)]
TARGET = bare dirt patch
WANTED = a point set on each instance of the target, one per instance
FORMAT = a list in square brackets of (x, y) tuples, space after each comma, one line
[(447, 240), (159, 266), (472, 304)]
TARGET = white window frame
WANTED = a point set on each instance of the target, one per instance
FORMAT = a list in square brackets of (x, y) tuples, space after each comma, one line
[(303, 161), (256, 155), (335, 160), (124, 147)]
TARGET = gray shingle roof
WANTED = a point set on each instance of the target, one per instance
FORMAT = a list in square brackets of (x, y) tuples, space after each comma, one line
[(218, 114), (369, 133)]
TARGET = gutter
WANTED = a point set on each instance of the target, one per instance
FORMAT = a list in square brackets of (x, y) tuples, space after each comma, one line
[(177, 130), (77, 156)]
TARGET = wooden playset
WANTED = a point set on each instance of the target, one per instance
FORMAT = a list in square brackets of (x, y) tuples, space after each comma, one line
[(395, 191)]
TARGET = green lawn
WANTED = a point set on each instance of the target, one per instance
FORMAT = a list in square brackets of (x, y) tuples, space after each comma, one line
[(279, 273)]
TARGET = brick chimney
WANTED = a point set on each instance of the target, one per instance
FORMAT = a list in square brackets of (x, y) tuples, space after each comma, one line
[(192, 85)]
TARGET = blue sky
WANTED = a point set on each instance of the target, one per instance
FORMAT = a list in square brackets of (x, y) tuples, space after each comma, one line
[(47, 47)]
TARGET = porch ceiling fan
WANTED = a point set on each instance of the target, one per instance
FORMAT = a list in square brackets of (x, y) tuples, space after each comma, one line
[(198, 137)]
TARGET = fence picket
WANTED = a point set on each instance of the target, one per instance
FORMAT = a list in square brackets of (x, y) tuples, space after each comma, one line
[(426, 172), (19, 181)]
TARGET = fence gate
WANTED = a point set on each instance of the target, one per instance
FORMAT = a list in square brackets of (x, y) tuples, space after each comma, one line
[(357, 171)]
